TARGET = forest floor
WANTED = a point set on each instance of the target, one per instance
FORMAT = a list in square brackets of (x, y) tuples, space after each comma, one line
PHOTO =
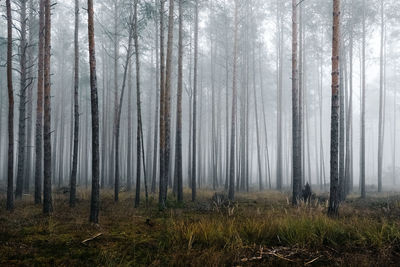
[(260, 229)]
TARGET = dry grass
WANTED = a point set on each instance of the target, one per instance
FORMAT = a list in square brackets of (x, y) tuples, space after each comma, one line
[(258, 229)]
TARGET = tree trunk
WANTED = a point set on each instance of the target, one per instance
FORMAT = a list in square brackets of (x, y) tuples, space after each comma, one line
[(194, 130), (22, 103), (10, 168), (72, 198), (295, 111), (362, 149), (47, 199), (139, 138), (95, 197), (333, 209), (381, 102), (178, 143), (231, 193)]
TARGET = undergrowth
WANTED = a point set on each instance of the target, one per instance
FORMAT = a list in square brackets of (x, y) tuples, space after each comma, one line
[(257, 229)]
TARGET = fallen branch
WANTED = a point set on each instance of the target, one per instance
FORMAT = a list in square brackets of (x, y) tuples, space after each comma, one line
[(307, 263), (91, 238)]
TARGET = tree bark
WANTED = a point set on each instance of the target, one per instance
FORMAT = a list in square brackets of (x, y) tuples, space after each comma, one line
[(22, 103), (178, 143), (47, 198), (95, 196), (295, 111), (10, 168), (333, 208), (72, 198), (194, 129)]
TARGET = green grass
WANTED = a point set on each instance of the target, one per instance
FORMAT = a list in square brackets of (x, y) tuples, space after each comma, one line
[(258, 229)]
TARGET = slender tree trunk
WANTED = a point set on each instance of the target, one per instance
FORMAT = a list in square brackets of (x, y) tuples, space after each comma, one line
[(72, 198), (22, 102), (47, 198), (118, 122), (163, 163), (95, 197), (129, 148), (381, 102), (157, 113), (362, 149), (231, 193), (178, 143), (139, 138), (333, 209), (295, 111), (10, 168), (194, 130)]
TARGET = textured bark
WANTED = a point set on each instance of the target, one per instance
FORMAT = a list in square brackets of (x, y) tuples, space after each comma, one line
[(295, 112), (95, 196), (178, 142), (333, 208), (231, 192), (72, 198), (39, 110), (10, 168), (194, 121), (47, 198), (139, 138), (163, 170), (22, 103)]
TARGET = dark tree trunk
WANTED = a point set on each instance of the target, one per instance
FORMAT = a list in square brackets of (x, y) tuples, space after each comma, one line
[(72, 198), (333, 209), (139, 138), (178, 143), (295, 111), (39, 110), (10, 168), (95, 197), (22, 103), (47, 199)]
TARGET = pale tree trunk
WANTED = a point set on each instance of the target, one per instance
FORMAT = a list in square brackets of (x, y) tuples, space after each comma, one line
[(194, 129), (333, 209), (231, 193), (10, 168), (362, 149), (118, 121), (381, 101), (95, 196), (47, 198)]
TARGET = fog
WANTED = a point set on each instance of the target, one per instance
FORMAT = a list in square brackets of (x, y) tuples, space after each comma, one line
[(264, 92)]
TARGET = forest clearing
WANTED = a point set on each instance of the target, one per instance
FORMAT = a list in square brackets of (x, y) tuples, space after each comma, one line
[(261, 228)]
